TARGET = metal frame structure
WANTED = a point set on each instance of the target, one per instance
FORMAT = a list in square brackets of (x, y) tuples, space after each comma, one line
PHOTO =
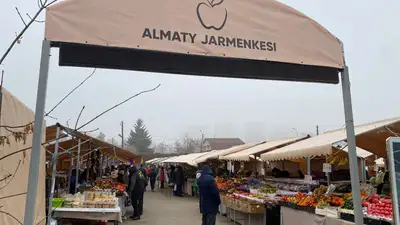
[(39, 118)]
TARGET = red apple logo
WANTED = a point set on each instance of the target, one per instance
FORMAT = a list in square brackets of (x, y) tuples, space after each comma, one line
[(211, 15)]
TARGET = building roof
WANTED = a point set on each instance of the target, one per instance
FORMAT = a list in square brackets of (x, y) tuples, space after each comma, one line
[(223, 143)]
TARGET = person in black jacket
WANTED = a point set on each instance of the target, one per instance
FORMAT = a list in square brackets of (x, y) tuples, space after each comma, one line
[(136, 188), (152, 177), (209, 196), (179, 181)]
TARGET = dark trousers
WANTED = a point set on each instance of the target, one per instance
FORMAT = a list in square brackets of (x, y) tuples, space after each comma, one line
[(209, 219), (135, 205), (152, 184), (140, 203), (179, 190)]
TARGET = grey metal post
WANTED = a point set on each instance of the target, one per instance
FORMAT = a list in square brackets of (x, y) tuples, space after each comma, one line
[(53, 175), (69, 172), (351, 142), (309, 171), (362, 169), (77, 166), (30, 206)]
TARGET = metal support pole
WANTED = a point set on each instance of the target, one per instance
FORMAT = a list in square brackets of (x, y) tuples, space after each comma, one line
[(114, 156), (362, 170), (69, 172), (351, 142), (53, 176), (77, 166), (309, 171), (30, 206)]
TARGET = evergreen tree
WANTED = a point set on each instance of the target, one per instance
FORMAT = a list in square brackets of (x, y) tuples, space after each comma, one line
[(139, 137), (101, 136)]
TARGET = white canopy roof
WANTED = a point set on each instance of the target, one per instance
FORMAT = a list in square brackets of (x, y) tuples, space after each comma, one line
[(152, 160), (188, 159), (362, 153), (321, 144), (245, 154), (217, 154), (380, 162)]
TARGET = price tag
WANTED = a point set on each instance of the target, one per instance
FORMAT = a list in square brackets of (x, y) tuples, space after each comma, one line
[(327, 168)]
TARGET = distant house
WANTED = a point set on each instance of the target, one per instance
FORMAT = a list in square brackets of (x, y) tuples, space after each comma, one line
[(220, 143)]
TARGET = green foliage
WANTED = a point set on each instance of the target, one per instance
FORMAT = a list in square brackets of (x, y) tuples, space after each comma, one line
[(139, 137)]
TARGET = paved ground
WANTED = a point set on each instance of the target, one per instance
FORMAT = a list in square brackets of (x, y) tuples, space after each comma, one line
[(160, 209)]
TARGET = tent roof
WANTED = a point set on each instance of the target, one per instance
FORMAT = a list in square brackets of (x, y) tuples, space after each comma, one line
[(322, 144), (360, 152), (92, 143), (244, 155), (219, 153), (188, 159)]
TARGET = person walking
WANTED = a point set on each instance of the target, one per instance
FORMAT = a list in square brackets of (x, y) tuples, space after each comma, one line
[(179, 181), (209, 196), (161, 176), (136, 187), (153, 177)]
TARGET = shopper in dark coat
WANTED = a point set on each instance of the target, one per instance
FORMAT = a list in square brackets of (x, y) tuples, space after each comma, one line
[(179, 181), (209, 196), (136, 188), (152, 177)]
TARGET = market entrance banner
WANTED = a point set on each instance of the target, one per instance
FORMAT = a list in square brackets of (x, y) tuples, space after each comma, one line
[(262, 30)]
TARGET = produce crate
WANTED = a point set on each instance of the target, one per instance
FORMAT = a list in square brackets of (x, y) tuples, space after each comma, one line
[(367, 221), (57, 202)]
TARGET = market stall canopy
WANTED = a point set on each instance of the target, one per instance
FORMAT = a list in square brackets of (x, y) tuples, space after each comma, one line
[(360, 152), (152, 160), (91, 143), (245, 155), (186, 37), (380, 162), (188, 159), (217, 154), (377, 132)]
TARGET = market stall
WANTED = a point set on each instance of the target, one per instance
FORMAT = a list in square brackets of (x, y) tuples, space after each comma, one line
[(95, 194)]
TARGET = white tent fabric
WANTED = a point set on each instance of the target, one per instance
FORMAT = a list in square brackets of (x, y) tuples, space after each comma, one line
[(152, 160), (14, 169), (217, 154), (362, 153), (321, 144), (245, 154), (188, 159), (380, 162)]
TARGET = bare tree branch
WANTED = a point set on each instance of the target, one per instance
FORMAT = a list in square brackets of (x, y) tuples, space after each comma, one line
[(71, 91), (20, 16), (71, 133), (10, 215), (79, 116), (13, 175), (42, 6), (14, 195), (90, 131), (115, 106), (38, 21)]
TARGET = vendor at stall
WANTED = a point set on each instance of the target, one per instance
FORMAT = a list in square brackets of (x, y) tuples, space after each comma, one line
[(250, 178)]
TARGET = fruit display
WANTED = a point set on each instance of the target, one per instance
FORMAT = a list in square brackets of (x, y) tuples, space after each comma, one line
[(230, 185), (348, 204), (379, 207), (336, 160)]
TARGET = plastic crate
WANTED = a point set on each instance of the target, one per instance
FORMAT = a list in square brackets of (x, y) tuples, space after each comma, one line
[(57, 202)]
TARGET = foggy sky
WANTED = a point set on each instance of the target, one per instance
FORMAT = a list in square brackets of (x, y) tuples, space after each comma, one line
[(250, 109)]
